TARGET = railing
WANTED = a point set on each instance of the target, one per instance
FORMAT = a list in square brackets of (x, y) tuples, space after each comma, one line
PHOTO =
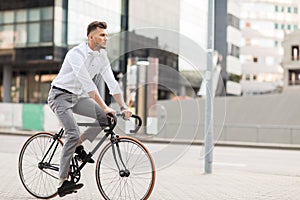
[(255, 133), (287, 134)]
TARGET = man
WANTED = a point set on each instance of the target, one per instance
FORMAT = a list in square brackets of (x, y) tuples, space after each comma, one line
[(73, 91)]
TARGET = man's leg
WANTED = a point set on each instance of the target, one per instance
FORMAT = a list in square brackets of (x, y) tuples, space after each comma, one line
[(71, 141), (72, 137), (89, 108), (61, 103)]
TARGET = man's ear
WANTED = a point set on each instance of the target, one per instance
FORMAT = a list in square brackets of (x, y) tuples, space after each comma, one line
[(90, 36)]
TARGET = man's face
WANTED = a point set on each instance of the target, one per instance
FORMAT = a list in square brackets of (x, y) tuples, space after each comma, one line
[(98, 38)]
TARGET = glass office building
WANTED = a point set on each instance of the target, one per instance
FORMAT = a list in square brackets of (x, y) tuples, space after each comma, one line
[(36, 34), (32, 45)]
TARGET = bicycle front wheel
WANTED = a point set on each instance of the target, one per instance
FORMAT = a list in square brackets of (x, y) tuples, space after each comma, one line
[(140, 179), (39, 163)]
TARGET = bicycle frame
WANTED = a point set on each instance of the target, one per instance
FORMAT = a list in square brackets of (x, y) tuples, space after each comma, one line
[(108, 132), (124, 167), (47, 165)]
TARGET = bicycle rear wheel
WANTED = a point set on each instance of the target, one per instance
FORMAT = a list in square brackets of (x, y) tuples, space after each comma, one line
[(40, 176), (138, 161)]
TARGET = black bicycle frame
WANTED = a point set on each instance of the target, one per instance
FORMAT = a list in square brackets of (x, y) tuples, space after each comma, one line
[(55, 138), (109, 132)]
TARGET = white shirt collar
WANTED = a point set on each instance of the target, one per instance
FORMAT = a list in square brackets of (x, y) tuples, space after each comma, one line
[(90, 51)]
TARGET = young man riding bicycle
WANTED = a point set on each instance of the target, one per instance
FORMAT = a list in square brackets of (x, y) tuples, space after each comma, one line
[(74, 91)]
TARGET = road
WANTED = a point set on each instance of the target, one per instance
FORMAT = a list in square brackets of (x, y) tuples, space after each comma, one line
[(238, 173)]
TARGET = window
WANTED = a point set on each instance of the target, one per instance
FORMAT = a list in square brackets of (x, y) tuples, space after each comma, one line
[(294, 77), (47, 13), (276, 26), (46, 31), (296, 10), (255, 59), (289, 10), (295, 27), (21, 16), (8, 17), (295, 52), (34, 15), (21, 34), (26, 27), (247, 77), (1, 18), (7, 38), (289, 27), (276, 8), (33, 33), (233, 50), (282, 26), (233, 21)]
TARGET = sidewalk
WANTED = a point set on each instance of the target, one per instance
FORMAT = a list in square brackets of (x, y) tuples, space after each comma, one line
[(181, 180), (227, 185)]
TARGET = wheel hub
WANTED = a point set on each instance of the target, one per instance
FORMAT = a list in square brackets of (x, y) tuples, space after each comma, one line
[(124, 173)]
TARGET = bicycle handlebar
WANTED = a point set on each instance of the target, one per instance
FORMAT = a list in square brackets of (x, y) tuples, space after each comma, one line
[(113, 122), (138, 125)]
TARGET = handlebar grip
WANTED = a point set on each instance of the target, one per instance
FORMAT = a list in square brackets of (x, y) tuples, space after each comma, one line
[(112, 125), (139, 124)]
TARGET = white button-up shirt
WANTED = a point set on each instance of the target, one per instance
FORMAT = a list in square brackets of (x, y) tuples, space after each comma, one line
[(80, 66)]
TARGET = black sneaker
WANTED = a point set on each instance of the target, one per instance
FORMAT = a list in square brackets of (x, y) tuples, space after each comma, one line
[(68, 187), (82, 154)]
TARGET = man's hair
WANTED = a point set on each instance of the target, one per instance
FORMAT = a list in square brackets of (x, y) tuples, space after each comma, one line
[(93, 26)]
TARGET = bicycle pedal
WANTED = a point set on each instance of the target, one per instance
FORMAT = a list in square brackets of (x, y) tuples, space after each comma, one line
[(66, 193), (69, 192)]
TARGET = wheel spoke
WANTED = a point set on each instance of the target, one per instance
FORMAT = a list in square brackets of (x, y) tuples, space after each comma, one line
[(41, 183), (139, 183)]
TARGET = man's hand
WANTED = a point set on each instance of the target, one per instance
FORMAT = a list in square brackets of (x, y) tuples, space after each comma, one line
[(109, 110), (126, 113)]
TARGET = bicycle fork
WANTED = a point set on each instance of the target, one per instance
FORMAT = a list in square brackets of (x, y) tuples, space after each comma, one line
[(123, 171)]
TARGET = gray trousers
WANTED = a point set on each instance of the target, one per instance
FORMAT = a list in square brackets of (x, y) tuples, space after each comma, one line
[(64, 105)]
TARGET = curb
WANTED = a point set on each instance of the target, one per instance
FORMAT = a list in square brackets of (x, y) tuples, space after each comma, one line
[(151, 139), (222, 143)]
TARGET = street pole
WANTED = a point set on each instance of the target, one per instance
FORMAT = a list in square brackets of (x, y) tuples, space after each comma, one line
[(124, 43), (209, 91)]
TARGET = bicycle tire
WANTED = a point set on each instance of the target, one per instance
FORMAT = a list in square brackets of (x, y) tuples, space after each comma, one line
[(138, 160), (41, 183)]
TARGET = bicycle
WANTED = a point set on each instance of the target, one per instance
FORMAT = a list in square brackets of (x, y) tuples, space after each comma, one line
[(124, 169)]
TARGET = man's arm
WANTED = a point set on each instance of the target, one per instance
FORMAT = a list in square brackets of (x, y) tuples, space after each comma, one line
[(94, 95), (119, 99)]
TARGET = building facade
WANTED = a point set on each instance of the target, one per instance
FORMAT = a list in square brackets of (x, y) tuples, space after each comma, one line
[(227, 44), (264, 24), (32, 45), (36, 34)]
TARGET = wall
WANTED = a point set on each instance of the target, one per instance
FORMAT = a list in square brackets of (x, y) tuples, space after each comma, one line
[(31, 117), (255, 119)]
